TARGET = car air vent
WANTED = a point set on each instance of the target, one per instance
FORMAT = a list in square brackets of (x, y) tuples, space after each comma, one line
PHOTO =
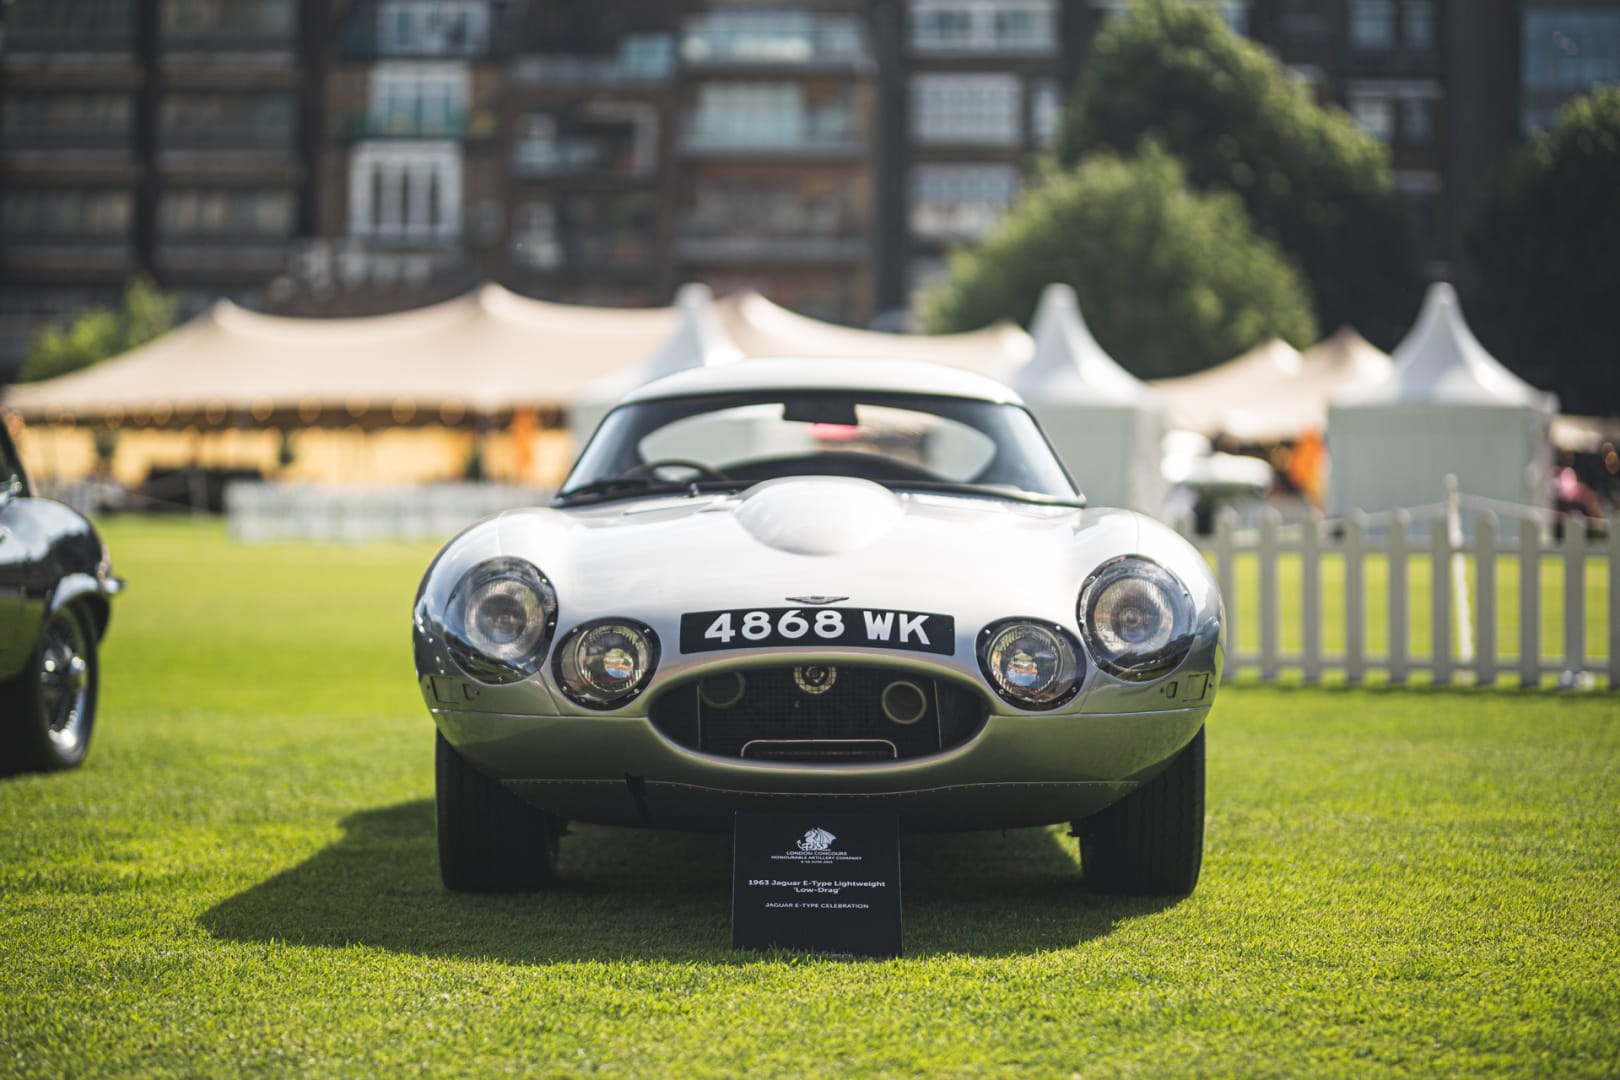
[(819, 714)]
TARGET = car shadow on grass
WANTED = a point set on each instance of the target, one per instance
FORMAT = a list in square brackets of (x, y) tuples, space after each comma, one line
[(647, 893)]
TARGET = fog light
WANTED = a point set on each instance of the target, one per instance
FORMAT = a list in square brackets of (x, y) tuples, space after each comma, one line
[(604, 664)]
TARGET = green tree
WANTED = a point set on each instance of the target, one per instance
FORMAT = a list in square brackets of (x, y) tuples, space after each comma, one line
[(99, 333), (1170, 280), (1313, 182), (1545, 240)]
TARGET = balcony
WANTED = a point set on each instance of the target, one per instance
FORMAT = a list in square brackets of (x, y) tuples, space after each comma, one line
[(770, 247), (801, 134), (274, 142), (92, 142), (421, 31), (611, 253), (577, 158), (433, 123), (774, 39), (641, 60), (103, 28), (240, 26)]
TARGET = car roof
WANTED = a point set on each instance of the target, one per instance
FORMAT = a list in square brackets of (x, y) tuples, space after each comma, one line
[(817, 373)]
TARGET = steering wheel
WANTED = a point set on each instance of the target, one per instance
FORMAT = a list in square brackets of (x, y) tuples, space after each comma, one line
[(653, 468)]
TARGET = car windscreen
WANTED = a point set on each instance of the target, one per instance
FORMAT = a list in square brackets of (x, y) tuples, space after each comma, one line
[(895, 439)]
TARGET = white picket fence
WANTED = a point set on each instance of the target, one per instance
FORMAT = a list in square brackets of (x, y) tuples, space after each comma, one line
[(1463, 643), (261, 513)]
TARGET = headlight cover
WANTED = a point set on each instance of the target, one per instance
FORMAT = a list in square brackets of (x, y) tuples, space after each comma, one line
[(606, 663), (499, 620), (1136, 618), (1031, 664)]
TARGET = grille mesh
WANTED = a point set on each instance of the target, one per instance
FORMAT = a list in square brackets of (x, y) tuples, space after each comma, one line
[(785, 721)]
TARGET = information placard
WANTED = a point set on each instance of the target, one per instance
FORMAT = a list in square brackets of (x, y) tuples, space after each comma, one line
[(826, 883)]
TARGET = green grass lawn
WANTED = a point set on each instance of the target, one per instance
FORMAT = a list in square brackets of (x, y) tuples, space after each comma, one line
[(242, 880)]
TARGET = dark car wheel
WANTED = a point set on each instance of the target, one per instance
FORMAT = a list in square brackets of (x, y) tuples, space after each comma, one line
[(1151, 842), (489, 839), (55, 697)]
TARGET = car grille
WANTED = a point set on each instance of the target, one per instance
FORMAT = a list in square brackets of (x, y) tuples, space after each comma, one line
[(819, 715)]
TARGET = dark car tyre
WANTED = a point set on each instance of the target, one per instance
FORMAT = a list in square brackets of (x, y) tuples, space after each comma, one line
[(489, 839), (1151, 842), (54, 698)]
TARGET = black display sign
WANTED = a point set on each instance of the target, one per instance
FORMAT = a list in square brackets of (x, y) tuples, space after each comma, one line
[(827, 883), (869, 628)]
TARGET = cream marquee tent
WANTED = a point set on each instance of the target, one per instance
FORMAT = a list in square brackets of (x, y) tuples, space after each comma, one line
[(760, 328), (484, 354), (1272, 393), (1447, 407), (1105, 424)]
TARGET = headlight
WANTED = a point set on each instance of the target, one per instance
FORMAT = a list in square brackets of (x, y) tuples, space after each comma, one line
[(499, 620), (1137, 618), (604, 664), (1031, 664)]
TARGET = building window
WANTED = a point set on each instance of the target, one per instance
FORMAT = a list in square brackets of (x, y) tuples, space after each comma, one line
[(1372, 24), (771, 36), (65, 116), (1235, 13), (408, 192), (979, 109), (270, 18), (772, 115), (101, 17), (1374, 115), (1019, 26), (67, 214), (226, 213), (1418, 24), (1045, 111), (1417, 121), (204, 119), (432, 27), (960, 202), (1567, 51), (422, 100), (1301, 22)]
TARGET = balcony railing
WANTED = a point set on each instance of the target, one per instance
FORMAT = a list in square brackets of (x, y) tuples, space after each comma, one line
[(642, 59), (791, 137), (273, 141), (362, 39), (419, 124), (766, 246), (569, 157), (99, 140), (769, 39)]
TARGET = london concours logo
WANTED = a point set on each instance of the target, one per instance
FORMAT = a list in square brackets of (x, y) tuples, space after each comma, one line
[(817, 839)]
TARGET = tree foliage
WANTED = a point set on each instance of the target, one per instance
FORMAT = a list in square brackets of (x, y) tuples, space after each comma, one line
[(100, 332), (1170, 280), (1545, 240), (1313, 182)]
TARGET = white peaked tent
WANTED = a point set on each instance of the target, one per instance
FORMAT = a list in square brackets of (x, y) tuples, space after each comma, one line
[(1447, 407), (699, 340), (1105, 424)]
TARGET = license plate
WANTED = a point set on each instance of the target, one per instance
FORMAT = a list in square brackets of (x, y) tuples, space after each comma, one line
[(871, 628)]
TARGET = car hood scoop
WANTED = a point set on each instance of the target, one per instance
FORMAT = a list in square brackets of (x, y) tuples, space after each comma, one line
[(824, 515)]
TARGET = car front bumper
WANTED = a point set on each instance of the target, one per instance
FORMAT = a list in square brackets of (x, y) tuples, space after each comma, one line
[(1019, 770)]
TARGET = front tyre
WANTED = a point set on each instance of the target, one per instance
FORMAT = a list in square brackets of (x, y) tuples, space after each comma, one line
[(1151, 842), (54, 697), (489, 839)]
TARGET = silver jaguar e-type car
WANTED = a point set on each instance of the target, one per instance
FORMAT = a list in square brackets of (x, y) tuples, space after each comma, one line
[(787, 584)]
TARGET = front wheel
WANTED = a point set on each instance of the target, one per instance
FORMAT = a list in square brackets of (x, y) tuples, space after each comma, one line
[(55, 696), (1151, 842), (489, 839)]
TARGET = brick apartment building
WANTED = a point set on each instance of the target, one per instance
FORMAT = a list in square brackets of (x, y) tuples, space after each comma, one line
[(351, 156)]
